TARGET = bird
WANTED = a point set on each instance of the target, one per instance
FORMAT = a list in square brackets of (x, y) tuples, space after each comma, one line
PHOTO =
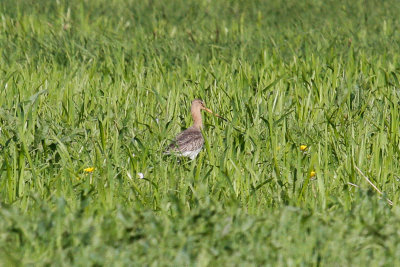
[(190, 142)]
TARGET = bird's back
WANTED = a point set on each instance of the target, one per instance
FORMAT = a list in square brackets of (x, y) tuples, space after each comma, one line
[(187, 143)]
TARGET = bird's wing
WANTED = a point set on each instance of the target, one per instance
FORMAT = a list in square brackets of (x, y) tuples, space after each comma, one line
[(188, 140)]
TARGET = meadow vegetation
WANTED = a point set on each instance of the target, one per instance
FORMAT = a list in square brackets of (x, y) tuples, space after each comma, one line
[(107, 84)]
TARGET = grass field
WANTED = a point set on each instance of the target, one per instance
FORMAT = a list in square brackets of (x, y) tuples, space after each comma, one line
[(107, 84)]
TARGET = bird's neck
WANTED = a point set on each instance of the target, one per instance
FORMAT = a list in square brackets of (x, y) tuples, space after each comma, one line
[(197, 120)]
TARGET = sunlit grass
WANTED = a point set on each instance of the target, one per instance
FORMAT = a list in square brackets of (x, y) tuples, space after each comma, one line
[(92, 92)]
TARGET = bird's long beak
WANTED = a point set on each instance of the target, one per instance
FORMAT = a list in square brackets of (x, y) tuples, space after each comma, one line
[(215, 114)]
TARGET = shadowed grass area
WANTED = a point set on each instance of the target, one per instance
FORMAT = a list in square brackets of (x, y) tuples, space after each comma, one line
[(108, 84)]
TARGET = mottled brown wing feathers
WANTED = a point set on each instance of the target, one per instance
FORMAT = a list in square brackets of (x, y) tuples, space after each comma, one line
[(189, 140)]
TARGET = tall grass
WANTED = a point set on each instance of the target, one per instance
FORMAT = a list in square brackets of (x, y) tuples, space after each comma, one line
[(108, 84)]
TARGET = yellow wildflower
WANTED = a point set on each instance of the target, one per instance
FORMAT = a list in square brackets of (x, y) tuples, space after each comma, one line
[(312, 174), (303, 147), (89, 170)]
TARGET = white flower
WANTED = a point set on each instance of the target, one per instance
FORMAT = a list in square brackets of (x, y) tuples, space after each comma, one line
[(141, 175), (133, 155)]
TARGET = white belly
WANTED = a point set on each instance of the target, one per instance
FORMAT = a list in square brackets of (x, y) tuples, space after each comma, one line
[(191, 154)]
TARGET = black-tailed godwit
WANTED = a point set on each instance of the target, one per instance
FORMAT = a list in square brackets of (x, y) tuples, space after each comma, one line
[(190, 142)]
